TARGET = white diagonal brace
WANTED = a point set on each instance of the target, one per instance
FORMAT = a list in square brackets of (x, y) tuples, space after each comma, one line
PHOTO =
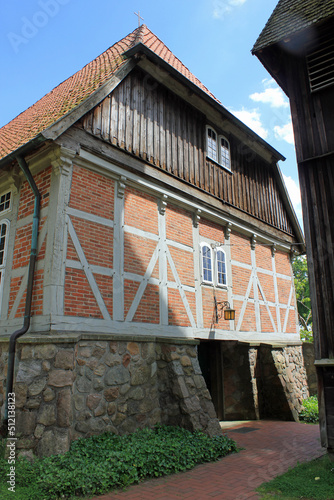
[(244, 305), (142, 286), (266, 304), (181, 290), (288, 309), (23, 286), (87, 270)]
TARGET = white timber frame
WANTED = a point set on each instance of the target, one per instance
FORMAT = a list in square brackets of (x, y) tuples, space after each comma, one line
[(58, 227)]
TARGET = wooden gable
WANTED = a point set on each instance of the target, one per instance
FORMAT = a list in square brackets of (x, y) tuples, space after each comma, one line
[(144, 118)]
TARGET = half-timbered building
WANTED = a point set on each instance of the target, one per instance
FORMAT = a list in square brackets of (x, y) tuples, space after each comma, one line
[(135, 210)]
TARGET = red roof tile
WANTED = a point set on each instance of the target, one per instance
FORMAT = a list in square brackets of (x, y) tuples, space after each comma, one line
[(70, 93)]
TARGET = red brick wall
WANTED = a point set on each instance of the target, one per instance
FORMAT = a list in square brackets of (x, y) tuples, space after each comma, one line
[(22, 246), (92, 193)]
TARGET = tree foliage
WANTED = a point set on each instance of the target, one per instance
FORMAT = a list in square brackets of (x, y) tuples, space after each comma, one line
[(302, 287)]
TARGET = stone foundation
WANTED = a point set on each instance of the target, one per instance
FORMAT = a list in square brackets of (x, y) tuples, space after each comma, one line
[(68, 388)]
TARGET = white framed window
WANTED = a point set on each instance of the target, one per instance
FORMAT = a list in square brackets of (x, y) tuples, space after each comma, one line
[(4, 234), (218, 148), (207, 268), (212, 150), (5, 202), (213, 264), (224, 156), (221, 274)]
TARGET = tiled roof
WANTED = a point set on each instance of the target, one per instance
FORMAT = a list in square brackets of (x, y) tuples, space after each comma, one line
[(290, 17), (73, 91)]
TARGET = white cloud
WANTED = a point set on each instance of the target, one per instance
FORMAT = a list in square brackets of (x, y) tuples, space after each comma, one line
[(294, 193), (222, 7), (285, 133), (252, 119), (272, 96)]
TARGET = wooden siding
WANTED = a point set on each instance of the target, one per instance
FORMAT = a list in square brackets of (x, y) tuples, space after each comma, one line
[(147, 120)]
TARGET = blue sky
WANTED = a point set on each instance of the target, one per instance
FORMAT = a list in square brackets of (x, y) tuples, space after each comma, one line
[(43, 42)]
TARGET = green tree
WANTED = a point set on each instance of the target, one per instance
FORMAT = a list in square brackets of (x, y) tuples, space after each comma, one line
[(302, 287)]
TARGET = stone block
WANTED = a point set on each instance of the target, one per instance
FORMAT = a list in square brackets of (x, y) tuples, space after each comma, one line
[(21, 391), (25, 422), (133, 348), (140, 375), (64, 408), (28, 371), (100, 370), (37, 386), (185, 361), (48, 394), (93, 401), (111, 393), (117, 375), (60, 378), (53, 442), (47, 415), (64, 359), (45, 351)]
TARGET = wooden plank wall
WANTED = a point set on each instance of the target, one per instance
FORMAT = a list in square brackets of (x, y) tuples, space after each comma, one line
[(147, 120)]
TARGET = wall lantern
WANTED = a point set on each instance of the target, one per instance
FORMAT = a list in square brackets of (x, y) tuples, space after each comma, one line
[(229, 314)]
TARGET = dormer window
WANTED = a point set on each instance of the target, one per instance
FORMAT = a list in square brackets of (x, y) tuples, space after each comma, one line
[(218, 148)]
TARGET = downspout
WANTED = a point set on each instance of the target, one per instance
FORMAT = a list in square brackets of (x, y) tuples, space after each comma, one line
[(33, 254)]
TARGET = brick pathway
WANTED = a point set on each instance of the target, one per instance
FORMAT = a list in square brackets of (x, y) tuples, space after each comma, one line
[(269, 451)]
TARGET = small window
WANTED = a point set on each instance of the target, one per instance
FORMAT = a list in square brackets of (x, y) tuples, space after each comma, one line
[(225, 153), (221, 267), (212, 144), (207, 263), (4, 226), (218, 148), (5, 202)]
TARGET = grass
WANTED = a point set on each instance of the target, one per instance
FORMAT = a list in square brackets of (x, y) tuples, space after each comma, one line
[(309, 481), (96, 465)]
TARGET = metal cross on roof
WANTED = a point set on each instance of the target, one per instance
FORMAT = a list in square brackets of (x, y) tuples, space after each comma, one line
[(139, 17)]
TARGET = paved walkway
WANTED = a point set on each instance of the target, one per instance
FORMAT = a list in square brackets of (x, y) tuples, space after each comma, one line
[(270, 449)]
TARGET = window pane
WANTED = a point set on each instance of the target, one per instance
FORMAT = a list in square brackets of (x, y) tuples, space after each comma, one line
[(212, 144), (225, 153), (3, 230), (207, 263), (221, 268), (5, 202)]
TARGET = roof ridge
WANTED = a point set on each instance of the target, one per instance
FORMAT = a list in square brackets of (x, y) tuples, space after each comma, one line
[(72, 91)]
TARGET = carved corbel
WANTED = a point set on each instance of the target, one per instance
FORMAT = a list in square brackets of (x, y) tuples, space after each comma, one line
[(253, 241), (163, 204), (197, 217), (15, 178), (121, 186), (62, 161), (273, 250), (227, 230)]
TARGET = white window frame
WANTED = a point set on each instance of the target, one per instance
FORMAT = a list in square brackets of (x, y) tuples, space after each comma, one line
[(10, 202), (207, 245), (3, 264), (214, 265), (220, 249), (223, 160)]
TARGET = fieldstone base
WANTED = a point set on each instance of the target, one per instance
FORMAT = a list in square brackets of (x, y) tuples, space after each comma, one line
[(68, 388)]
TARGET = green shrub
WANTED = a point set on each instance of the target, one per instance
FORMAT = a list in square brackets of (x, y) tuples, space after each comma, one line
[(310, 410), (98, 464)]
